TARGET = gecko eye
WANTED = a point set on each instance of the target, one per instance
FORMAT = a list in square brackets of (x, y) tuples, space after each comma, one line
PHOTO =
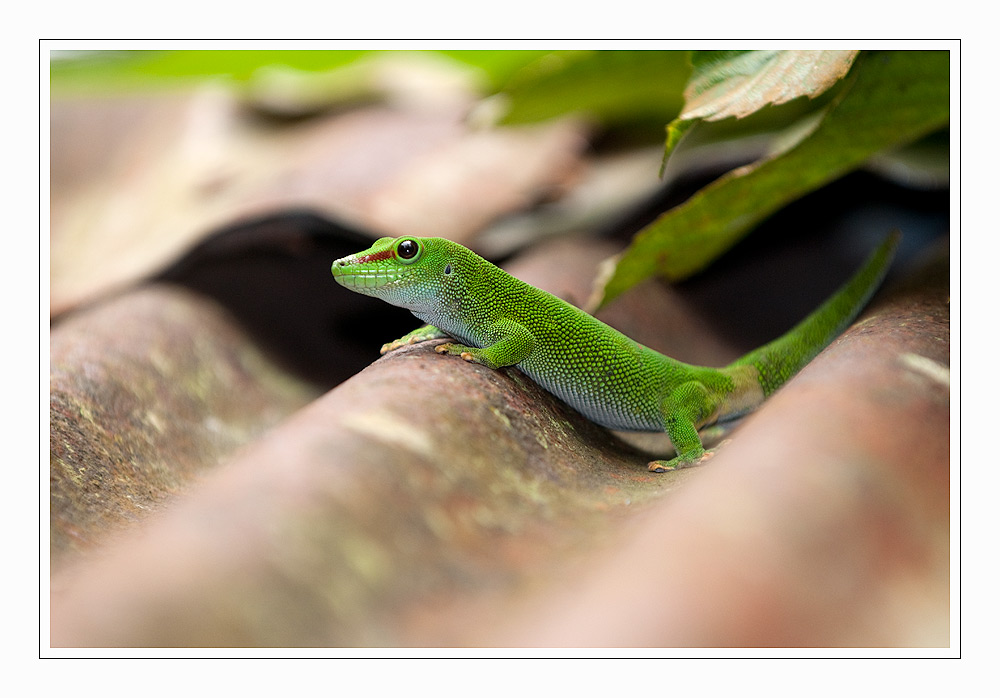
[(408, 249)]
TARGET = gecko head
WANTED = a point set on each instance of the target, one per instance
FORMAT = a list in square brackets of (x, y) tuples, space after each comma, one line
[(407, 271)]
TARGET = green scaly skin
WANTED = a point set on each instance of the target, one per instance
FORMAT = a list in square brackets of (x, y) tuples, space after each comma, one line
[(498, 320)]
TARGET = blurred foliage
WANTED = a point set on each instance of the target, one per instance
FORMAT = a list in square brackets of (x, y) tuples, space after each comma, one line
[(610, 86), (829, 112), (887, 101), (103, 71), (128, 70)]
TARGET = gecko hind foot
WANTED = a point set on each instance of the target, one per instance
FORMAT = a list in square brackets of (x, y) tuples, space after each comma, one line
[(665, 466)]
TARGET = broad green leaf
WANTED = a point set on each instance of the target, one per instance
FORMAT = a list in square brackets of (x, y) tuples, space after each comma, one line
[(891, 99), (738, 83), (612, 86), (728, 84)]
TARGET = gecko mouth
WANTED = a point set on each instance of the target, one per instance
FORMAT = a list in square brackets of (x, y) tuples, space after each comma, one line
[(346, 275)]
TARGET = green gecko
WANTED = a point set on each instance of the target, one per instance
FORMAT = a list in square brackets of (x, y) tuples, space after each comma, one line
[(498, 320)]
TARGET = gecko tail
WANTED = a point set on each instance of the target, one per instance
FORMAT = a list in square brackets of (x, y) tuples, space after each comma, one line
[(782, 358)]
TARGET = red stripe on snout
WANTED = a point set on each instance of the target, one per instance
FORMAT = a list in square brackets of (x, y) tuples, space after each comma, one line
[(377, 257)]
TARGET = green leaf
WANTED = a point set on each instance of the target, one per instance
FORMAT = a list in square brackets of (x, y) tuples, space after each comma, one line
[(891, 99), (738, 83), (728, 84), (611, 86)]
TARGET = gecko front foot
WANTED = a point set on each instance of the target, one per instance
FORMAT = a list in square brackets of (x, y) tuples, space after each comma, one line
[(421, 334), (396, 344)]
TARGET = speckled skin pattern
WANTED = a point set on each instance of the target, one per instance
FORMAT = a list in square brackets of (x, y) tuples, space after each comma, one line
[(611, 379)]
